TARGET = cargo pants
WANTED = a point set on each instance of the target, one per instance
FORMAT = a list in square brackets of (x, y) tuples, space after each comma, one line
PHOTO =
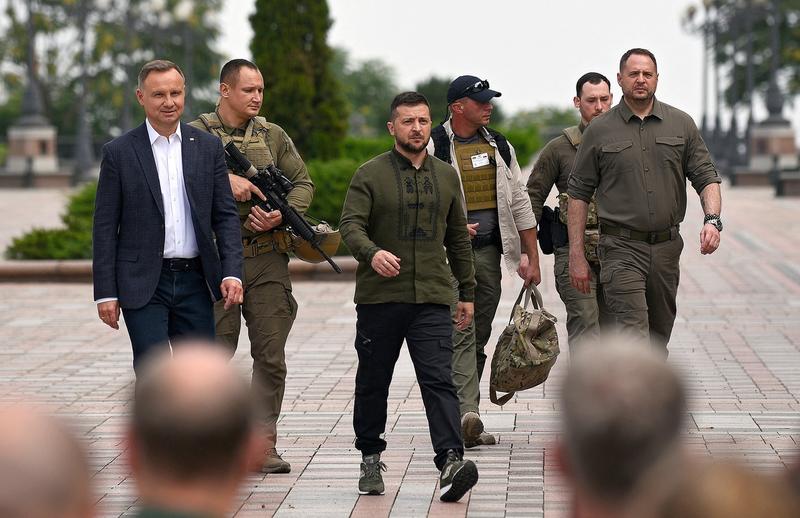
[(269, 310), (586, 312), (469, 357), (380, 332), (640, 285)]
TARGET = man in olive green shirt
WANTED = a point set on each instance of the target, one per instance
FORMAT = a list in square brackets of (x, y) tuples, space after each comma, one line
[(269, 308), (404, 222), (637, 158), (585, 311)]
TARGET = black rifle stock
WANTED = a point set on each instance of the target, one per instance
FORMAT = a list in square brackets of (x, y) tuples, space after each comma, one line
[(275, 186)]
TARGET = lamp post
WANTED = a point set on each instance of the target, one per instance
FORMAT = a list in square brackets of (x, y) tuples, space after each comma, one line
[(704, 26), (32, 111), (749, 75), (84, 154), (717, 136), (774, 95)]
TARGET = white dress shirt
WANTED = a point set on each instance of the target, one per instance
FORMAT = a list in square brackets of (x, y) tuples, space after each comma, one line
[(179, 238)]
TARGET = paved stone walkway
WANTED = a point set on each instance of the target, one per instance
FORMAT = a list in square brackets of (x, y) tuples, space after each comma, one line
[(736, 339)]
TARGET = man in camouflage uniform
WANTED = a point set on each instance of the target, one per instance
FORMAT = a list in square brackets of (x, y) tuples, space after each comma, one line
[(269, 308), (585, 311)]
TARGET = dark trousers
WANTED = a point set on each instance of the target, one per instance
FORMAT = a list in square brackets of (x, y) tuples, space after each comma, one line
[(181, 308), (427, 329)]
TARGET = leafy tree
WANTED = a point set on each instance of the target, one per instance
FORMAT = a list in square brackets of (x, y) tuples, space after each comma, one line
[(290, 47), (120, 36), (369, 88), (435, 89)]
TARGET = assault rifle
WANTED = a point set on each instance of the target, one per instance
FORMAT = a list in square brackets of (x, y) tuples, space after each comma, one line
[(275, 186)]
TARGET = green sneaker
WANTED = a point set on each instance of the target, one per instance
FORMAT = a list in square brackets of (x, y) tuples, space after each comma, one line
[(457, 477), (371, 482)]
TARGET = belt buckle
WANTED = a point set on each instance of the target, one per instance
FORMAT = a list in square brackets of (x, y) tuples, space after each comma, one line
[(652, 238)]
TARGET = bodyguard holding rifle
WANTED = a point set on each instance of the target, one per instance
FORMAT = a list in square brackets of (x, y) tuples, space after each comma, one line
[(275, 186), (269, 308)]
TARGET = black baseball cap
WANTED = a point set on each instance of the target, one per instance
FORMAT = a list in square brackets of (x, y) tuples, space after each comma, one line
[(470, 86)]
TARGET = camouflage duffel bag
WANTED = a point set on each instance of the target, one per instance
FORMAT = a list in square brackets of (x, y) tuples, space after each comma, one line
[(527, 349)]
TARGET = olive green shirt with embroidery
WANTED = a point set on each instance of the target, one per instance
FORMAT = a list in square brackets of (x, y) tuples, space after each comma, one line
[(552, 168), (279, 150), (416, 214), (639, 168)]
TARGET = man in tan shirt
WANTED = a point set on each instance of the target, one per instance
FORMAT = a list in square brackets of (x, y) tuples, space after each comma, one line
[(636, 159)]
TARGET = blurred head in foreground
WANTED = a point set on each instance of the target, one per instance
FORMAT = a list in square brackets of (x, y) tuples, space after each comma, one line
[(193, 435), (43, 468), (622, 409)]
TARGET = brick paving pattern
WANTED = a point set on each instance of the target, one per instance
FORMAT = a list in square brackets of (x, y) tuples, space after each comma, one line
[(736, 339)]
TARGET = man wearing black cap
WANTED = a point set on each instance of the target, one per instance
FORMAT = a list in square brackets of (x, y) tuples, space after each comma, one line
[(500, 221)]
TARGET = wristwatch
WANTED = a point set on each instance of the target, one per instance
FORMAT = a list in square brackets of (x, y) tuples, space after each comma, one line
[(715, 220)]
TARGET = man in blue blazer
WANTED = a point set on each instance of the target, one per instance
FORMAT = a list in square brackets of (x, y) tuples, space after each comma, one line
[(166, 230)]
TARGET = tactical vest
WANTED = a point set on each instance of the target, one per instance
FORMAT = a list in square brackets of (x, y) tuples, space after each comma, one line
[(574, 136), (253, 144), (591, 236), (441, 144), (480, 183)]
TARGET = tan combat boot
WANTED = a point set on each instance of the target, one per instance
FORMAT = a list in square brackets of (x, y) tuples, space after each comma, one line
[(273, 462)]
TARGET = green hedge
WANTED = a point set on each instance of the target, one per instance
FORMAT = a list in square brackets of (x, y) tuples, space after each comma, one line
[(363, 149), (72, 242), (526, 142), (331, 179)]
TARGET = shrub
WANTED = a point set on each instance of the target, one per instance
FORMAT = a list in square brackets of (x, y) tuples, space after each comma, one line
[(363, 149), (72, 242), (331, 180)]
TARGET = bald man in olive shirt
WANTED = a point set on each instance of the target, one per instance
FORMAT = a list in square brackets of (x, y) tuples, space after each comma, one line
[(637, 158)]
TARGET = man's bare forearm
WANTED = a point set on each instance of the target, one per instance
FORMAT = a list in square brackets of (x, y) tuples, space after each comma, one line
[(711, 199), (576, 225), (529, 243)]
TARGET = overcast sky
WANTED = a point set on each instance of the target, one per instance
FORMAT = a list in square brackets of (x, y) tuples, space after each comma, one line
[(532, 51)]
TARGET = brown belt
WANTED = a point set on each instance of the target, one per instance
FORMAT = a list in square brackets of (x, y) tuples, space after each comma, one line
[(258, 245), (278, 240), (637, 235)]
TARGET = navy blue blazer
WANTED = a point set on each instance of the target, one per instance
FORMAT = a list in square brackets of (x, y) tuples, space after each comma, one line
[(128, 231)]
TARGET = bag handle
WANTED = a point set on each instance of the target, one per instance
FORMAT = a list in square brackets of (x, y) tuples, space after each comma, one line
[(532, 294), (502, 400)]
